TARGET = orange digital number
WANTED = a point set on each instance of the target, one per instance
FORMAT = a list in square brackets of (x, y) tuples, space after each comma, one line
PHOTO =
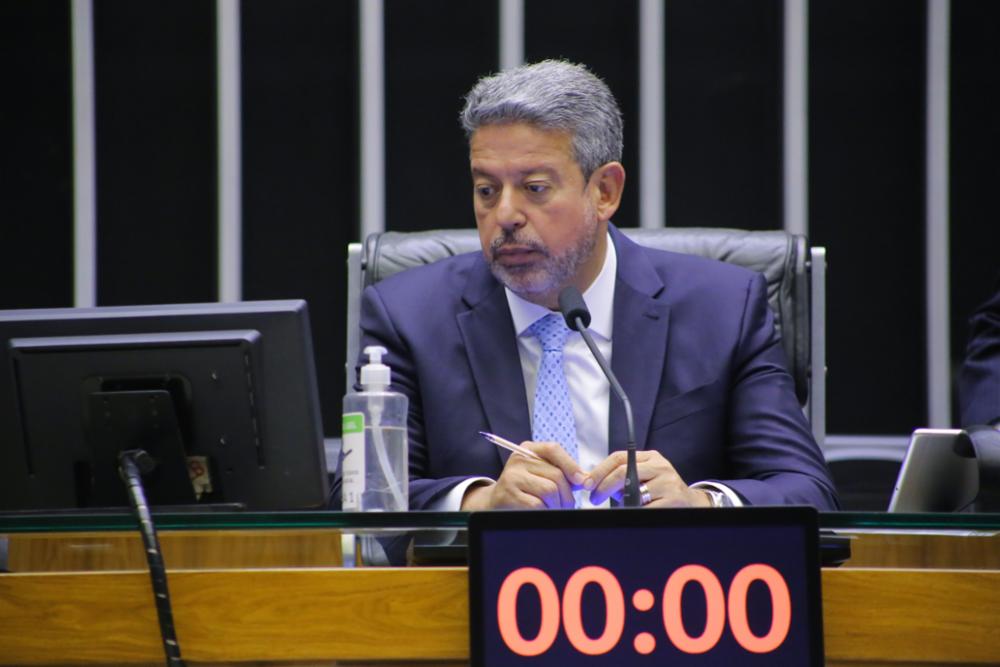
[(715, 609), (614, 603), (781, 608), (507, 611)]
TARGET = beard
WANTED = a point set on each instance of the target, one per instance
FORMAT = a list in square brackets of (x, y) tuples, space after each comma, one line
[(553, 271)]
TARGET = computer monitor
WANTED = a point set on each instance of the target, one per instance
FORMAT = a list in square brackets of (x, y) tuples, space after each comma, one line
[(222, 396)]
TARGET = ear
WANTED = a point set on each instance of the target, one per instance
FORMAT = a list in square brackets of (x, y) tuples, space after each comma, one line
[(607, 184)]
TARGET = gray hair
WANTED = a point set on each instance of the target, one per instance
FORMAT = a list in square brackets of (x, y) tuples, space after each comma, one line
[(551, 95)]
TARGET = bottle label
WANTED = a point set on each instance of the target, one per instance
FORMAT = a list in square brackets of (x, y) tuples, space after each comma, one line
[(353, 461)]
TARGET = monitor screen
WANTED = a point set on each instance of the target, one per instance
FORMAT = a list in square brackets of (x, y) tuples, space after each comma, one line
[(222, 396)]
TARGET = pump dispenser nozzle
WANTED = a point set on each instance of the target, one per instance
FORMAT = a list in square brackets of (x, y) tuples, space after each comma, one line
[(375, 375)]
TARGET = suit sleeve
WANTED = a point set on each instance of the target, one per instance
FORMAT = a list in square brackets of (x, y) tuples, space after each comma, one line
[(379, 328), (773, 457), (979, 377)]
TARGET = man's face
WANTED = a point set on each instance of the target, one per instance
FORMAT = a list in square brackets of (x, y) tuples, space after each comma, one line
[(536, 215)]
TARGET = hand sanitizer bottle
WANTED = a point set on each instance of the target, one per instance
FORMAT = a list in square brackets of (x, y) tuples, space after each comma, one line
[(376, 457)]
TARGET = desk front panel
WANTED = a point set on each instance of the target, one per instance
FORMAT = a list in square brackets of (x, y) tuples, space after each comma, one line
[(398, 614)]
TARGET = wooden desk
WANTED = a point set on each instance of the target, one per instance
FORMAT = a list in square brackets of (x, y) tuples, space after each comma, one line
[(315, 615), (182, 550)]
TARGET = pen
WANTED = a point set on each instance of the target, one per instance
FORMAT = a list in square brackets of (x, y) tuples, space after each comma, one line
[(507, 444)]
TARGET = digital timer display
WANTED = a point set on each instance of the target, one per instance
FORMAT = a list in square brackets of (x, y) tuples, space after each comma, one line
[(646, 587)]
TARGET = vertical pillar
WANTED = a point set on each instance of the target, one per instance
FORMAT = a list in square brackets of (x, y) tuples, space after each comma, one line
[(229, 110), (84, 158)]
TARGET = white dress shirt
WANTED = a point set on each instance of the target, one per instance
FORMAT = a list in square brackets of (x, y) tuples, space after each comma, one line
[(589, 390)]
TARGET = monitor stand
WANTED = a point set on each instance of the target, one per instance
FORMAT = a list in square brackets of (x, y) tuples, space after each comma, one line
[(123, 420)]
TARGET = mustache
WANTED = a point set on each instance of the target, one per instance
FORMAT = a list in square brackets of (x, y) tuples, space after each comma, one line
[(510, 238)]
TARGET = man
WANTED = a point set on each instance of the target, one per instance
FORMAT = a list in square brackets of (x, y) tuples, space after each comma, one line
[(979, 378), (691, 340)]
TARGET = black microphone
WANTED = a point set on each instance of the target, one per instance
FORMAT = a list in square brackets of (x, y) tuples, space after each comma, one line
[(577, 317)]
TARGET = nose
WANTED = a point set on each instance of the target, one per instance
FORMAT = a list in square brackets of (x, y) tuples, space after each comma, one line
[(509, 211)]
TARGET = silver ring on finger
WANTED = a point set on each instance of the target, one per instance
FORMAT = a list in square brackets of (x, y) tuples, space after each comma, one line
[(644, 495)]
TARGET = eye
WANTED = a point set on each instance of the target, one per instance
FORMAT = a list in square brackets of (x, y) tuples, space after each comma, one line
[(537, 188), (484, 191)]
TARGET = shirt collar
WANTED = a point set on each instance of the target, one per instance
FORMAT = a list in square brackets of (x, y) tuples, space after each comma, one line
[(599, 298)]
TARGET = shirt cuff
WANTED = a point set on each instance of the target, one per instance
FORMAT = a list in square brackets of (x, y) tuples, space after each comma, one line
[(452, 501), (731, 496)]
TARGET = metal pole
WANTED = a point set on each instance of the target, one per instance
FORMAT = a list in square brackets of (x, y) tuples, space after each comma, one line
[(652, 115), (937, 240), (372, 75), (84, 157), (230, 251)]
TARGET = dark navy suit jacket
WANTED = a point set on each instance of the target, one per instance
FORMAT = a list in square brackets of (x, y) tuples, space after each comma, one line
[(694, 347), (979, 379)]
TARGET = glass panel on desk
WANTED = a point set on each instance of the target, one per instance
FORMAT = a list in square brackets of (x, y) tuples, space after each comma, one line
[(230, 540), (962, 541)]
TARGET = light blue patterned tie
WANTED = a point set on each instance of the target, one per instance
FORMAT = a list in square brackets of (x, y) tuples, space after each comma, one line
[(552, 418)]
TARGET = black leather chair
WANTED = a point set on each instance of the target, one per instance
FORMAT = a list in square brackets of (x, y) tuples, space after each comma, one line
[(794, 272)]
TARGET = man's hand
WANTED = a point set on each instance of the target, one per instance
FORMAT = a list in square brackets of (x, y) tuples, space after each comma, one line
[(529, 484), (666, 488)]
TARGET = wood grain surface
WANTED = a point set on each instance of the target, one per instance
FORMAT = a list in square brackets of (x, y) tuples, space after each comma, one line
[(315, 616), (975, 551), (182, 550), (920, 616)]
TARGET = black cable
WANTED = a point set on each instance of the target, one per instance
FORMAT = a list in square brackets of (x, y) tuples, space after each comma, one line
[(131, 464)]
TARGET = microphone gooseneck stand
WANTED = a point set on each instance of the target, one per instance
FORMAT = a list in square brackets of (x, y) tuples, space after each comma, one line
[(132, 463), (574, 311)]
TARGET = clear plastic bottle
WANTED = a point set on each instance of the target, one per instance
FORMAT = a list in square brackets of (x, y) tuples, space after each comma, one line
[(376, 455)]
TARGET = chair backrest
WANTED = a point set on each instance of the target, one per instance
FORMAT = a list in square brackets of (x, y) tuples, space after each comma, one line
[(795, 276)]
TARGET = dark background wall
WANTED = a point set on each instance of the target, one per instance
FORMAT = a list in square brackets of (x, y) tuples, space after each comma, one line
[(975, 167), (36, 168), (156, 153), (866, 184), (724, 113), (300, 176)]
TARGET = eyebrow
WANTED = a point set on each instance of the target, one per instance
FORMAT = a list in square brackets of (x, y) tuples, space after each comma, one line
[(548, 171)]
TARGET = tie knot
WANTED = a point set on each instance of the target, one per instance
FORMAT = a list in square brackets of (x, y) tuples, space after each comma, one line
[(551, 331)]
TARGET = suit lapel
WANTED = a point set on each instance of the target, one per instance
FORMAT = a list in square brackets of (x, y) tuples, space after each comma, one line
[(639, 341), (638, 348), (488, 335)]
